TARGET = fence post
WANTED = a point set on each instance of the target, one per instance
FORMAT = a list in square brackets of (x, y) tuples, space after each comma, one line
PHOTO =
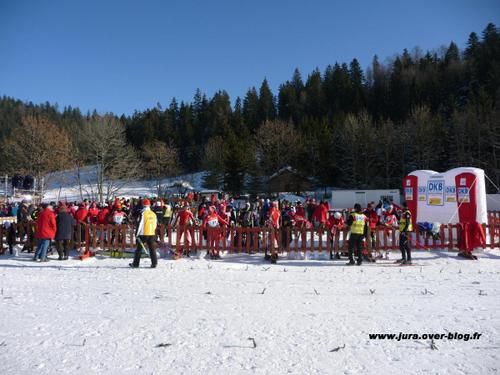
[(336, 241), (86, 253), (369, 240), (94, 236), (450, 237)]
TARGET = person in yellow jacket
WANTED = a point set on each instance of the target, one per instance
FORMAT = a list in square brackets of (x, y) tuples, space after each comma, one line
[(146, 233), (405, 227), (358, 223)]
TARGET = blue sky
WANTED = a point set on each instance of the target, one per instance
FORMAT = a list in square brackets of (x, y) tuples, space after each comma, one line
[(121, 56)]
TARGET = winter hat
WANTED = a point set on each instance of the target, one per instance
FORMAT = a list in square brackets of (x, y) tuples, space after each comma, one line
[(146, 202)]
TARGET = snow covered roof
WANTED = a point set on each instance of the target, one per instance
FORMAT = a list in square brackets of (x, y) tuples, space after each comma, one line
[(286, 169)]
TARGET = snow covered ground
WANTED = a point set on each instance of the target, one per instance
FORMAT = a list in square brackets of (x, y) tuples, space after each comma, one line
[(98, 316)]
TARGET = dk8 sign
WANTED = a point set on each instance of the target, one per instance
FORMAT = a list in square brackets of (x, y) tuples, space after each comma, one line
[(435, 193)]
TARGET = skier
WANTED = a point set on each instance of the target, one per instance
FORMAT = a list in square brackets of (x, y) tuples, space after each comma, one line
[(335, 224), (93, 213), (373, 219), (320, 215), (185, 218), (103, 220), (212, 223), (274, 223), (405, 226), (247, 220), (146, 233), (158, 210), (167, 214), (358, 223), (118, 218)]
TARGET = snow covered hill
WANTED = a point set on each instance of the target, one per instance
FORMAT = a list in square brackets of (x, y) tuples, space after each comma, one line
[(65, 185), (240, 315)]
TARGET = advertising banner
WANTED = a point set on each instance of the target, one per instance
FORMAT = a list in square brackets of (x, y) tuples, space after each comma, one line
[(457, 195)]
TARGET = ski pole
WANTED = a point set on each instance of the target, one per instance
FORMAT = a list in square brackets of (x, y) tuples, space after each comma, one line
[(139, 241)]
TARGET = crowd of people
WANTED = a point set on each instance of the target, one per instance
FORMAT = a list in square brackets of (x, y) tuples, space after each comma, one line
[(55, 222)]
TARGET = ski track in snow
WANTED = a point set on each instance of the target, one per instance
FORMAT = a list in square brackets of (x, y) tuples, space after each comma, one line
[(98, 316)]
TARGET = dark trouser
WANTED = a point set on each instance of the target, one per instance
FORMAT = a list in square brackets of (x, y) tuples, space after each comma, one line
[(113, 238), (62, 247), (372, 236), (150, 241), (404, 246), (355, 240)]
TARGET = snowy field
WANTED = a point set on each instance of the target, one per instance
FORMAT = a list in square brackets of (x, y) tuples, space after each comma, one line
[(241, 315)]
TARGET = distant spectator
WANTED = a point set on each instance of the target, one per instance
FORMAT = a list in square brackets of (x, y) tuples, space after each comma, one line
[(45, 233), (65, 223)]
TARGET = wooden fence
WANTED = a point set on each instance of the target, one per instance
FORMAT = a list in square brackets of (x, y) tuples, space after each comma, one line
[(247, 240)]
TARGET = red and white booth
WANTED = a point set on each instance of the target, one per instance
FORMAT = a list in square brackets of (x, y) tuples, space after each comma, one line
[(457, 196)]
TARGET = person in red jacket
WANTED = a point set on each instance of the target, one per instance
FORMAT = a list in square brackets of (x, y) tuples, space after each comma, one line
[(334, 225), (300, 210), (93, 213), (103, 219), (211, 223), (81, 217), (274, 221), (320, 215), (185, 219), (373, 221), (45, 232), (103, 216)]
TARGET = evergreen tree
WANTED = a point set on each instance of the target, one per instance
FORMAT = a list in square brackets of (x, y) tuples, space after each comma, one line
[(266, 107), (251, 110)]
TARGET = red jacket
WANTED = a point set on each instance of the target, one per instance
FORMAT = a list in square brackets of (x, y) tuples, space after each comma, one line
[(185, 217), (46, 225), (81, 215), (372, 216), (335, 224), (102, 217), (93, 215), (274, 217), (321, 213), (214, 220)]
